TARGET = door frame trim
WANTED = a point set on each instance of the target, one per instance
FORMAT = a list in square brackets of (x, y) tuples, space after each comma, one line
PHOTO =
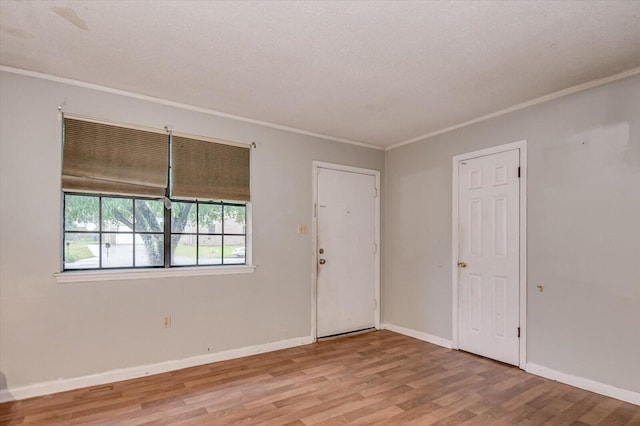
[(522, 147), (314, 234)]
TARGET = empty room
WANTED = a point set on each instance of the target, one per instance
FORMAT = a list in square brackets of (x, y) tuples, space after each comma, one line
[(319, 212)]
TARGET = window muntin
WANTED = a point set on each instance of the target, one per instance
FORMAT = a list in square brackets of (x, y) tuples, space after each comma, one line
[(110, 232)]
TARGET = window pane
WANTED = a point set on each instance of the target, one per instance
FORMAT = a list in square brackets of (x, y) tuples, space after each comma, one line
[(209, 250), (210, 218), (81, 213), (234, 219), (117, 214), (81, 250), (149, 216), (234, 249), (117, 250), (183, 249), (91, 243), (149, 250), (183, 217)]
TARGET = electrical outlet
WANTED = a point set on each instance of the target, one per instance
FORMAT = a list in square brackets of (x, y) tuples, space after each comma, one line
[(166, 321)]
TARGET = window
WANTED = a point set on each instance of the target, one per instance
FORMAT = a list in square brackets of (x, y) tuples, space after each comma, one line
[(144, 199), (208, 233)]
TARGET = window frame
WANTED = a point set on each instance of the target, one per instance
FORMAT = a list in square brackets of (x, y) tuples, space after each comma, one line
[(84, 276), (166, 232), (154, 271)]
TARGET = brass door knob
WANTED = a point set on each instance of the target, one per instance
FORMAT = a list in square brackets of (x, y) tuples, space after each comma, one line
[(462, 264)]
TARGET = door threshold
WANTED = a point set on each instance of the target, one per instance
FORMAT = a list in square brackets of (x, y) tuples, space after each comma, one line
[(346, 334)]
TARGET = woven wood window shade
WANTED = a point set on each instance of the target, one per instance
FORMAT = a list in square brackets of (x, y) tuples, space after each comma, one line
[(206, 170), (108, 159)]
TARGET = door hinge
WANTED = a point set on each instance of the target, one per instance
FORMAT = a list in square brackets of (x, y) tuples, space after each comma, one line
[(375, 248), (375, 192), (518, 171), (518, 332)]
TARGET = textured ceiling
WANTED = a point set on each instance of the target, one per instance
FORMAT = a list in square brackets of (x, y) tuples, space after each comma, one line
[(380, 72)]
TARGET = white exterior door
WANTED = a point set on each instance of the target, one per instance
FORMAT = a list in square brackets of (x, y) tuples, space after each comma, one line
[(346, 251), (489, 255)]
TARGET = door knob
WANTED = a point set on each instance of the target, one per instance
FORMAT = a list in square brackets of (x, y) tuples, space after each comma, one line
[(322, 261), (462, 264), (321, 251)]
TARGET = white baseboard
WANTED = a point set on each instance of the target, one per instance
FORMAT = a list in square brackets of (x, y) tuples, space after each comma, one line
[(582, 383), (417, 335), (569, 379), (111, 376), (61, 385)]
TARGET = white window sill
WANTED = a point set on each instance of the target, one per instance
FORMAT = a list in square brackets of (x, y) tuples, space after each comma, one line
[(134, 274)]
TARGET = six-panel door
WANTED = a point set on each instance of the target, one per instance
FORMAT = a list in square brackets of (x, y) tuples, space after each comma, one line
[(488, 277)]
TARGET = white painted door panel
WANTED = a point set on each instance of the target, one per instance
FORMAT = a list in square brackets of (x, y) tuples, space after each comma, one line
[(346, 236), (489, 246)]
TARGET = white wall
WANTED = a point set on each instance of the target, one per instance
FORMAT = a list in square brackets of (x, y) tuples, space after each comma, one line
[(583, 230), (50, 331)]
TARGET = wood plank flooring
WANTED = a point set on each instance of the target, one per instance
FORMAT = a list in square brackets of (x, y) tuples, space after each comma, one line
[(373, 378)]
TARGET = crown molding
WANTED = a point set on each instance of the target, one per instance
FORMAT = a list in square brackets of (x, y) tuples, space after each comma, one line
[(181, 105), (545, 98)]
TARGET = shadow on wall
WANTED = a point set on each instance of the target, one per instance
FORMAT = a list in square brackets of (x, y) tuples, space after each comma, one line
[(5, 396)]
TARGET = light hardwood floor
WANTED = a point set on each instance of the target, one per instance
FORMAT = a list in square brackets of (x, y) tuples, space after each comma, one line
[(374, 378)]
